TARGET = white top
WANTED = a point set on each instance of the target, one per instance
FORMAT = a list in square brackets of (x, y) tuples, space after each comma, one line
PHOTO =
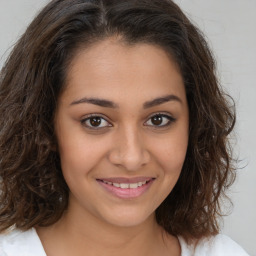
[(17, 243)]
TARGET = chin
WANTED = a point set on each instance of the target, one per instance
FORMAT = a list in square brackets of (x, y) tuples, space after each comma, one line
[(128, 218)]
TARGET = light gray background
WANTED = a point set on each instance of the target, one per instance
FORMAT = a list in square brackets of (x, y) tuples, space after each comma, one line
[(230, 26)]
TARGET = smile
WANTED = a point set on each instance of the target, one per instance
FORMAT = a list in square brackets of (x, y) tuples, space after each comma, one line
[(126, 188), (126, 185)]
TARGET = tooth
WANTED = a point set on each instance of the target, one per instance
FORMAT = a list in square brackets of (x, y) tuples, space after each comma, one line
[(126, 185), (133, 185), (123, 185)]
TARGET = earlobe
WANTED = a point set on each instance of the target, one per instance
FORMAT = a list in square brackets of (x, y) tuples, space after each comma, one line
[(54, 148)]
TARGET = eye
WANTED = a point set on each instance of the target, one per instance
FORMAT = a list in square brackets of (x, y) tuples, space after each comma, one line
[(160, 120), (95, 122)]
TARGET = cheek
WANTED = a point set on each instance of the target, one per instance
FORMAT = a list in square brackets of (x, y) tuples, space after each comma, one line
[(171, 153), (80, 155)]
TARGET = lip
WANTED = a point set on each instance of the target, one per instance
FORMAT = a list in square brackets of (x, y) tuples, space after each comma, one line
[(126, 180), (126, 193)]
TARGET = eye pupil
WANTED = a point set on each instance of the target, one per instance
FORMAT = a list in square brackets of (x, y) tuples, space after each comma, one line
[(95, 121), (157, 120)]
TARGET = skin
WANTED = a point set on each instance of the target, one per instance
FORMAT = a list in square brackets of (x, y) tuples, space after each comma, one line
[(126, 144)]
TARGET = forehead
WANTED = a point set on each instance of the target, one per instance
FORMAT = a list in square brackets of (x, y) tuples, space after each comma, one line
[(111, 68)]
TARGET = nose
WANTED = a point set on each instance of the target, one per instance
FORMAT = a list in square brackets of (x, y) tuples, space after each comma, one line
[(129, 150)]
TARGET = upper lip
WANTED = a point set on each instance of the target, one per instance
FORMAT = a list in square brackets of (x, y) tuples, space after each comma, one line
[(126, 180)]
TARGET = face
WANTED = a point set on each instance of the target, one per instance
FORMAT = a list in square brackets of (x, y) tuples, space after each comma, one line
[(122, 130)]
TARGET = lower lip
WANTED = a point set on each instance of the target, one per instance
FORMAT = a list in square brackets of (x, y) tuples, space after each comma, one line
[(126, 193)]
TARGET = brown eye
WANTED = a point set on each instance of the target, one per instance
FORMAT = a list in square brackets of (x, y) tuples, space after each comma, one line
[(157, 120), (95, 122), (160, 120)]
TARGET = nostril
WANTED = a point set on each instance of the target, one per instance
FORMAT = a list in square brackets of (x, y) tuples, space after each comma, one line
[(129, 153)]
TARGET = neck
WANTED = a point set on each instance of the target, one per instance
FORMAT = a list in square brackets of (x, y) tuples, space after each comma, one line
[(71, 236)]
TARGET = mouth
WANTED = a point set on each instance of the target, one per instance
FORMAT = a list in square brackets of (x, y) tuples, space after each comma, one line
[(126, 188), (126, 184)]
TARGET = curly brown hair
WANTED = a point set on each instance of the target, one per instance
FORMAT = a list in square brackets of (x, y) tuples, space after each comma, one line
[(33, 190)]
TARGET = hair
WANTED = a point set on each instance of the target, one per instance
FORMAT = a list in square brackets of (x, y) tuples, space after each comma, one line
[(33, 190)]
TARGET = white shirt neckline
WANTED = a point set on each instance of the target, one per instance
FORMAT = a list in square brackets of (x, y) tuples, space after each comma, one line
[(28, 243)]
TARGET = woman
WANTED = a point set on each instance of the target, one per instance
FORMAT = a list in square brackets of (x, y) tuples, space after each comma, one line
[(114, 135)]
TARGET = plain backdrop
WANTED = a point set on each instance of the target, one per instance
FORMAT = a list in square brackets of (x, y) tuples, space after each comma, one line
[(230, 28)]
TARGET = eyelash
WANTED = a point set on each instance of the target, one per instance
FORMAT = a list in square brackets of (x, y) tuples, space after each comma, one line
[(89, 118), (169, 120)]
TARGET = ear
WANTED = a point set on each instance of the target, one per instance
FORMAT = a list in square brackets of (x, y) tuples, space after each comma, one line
[(54, 148)]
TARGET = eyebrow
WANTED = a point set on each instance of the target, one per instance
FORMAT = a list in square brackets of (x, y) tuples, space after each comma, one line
[(161, 100), (110, 104), (96, 101)]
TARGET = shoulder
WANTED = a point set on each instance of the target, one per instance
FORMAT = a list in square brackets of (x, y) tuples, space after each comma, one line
[(18, 243), (220, 245)]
